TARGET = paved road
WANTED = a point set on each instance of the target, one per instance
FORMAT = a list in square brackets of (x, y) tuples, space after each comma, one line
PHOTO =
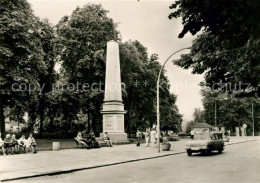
[(238, 163)]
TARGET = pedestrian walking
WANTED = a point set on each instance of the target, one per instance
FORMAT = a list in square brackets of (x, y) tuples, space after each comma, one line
[(153, 137), (32, 143), (138, 137), (147, 137), (192, 132)]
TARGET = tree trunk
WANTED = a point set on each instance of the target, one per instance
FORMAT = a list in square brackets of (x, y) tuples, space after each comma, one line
[(51, 116), (151, 124), (41, 111), (70, 123), (89, 122), (94, 127), (129, 123), (2, 117)]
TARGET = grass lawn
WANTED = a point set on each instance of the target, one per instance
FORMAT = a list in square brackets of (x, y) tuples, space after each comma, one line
[(46, 144)]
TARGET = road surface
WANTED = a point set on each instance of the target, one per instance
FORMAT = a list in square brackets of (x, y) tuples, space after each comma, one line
[(238, 163)]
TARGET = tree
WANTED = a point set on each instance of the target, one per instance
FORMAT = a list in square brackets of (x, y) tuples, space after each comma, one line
[(48, 77), (231, 111), (198, 116), (21, 56), (81, 46), (227, 49), (189, 125), (140, 73)]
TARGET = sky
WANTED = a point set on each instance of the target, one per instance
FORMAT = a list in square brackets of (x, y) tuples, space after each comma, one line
[(146, 21)]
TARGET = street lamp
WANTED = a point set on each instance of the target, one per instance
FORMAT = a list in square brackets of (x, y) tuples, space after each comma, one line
[(253, 119), (158, 110)]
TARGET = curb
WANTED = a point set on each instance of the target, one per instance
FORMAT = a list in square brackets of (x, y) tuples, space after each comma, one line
[(241, 142), (104, 165)]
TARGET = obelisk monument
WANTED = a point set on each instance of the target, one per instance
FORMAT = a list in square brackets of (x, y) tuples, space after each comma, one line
[(113, 108)]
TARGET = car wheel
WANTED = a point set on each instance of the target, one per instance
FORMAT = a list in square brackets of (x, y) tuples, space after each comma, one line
[(220, 150), (209, 151), (189, 152)]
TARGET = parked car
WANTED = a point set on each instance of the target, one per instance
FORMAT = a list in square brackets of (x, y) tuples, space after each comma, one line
[(205, 142), (174, 137)]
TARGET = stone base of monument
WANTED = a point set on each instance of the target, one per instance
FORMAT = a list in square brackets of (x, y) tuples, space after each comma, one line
[(117, 138)]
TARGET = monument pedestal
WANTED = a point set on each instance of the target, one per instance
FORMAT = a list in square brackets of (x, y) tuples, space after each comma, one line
[(113, 122)]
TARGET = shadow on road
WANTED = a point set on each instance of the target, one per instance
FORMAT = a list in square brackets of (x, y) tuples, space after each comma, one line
[(207, 154)]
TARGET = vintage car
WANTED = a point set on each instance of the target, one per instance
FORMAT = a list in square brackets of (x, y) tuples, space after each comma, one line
[(205, 142)]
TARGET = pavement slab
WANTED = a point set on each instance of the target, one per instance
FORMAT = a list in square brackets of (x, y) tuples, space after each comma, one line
[(54, 162)]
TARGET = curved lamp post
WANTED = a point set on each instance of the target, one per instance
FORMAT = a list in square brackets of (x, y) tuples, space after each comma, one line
[(158, 110)]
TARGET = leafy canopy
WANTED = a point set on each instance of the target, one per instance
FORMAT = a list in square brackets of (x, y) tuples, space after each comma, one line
[(227, 49)]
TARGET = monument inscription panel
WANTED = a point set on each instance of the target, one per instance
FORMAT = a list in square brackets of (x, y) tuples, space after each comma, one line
[(109, 123), (120, 123)]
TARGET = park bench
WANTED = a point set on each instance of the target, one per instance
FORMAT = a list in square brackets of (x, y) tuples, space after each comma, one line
[(102, 142)]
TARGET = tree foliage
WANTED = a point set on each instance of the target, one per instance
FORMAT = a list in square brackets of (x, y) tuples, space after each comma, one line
[(81, 46), (231, 111), (227, 49), (31, 47), (189, 125), (21, 55), (139, 72)]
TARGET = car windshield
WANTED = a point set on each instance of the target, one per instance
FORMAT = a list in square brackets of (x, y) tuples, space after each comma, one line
[(202, 136)]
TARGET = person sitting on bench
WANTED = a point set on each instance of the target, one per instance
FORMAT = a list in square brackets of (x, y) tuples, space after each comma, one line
[(80, 140), (15, 144), (22, 143), (8, 143), (107, 139)]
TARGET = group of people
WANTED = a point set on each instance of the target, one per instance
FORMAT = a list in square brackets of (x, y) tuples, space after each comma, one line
[(150, 137), (89, 140), (17, 145)]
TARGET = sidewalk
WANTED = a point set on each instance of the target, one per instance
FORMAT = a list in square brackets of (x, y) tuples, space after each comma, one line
[(54, 162)]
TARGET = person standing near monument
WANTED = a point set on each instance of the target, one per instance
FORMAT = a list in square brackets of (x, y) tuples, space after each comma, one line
[(147, 137), (153, 137)]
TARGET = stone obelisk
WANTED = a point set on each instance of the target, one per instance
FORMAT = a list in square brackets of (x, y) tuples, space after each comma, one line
[(113, 107)]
